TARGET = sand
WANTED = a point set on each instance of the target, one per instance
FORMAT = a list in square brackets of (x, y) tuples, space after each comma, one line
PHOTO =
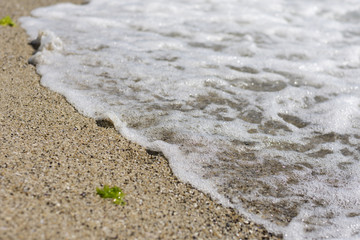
[(53, 159)]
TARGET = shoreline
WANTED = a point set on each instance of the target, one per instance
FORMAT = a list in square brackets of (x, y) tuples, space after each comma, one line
[(53, 158)]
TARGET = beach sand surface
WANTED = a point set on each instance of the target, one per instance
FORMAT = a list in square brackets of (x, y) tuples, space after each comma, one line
[(53, 159)]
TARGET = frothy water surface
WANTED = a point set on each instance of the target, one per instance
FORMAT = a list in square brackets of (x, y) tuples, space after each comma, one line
[(254, 102)]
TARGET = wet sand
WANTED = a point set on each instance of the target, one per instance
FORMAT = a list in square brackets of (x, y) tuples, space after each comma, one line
[(53, 159)]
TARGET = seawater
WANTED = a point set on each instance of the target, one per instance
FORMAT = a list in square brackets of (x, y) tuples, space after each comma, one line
[(255, 102)]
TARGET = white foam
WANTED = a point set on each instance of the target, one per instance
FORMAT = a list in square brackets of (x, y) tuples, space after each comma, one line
[(236, 94)]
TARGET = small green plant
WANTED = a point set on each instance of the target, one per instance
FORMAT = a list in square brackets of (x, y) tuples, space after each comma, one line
[(7, 21), (115, 193)]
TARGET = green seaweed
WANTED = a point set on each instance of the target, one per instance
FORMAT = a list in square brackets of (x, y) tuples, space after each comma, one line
[(115, 193), (7, 21)]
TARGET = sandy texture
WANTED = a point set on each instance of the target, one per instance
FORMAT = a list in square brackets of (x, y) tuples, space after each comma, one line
[(52, 159)]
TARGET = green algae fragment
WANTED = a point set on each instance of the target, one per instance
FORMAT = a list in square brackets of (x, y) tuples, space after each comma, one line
[(115, 193), (7, 21)]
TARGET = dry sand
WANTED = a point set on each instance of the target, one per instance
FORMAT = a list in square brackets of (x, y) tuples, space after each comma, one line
[(52, 159)]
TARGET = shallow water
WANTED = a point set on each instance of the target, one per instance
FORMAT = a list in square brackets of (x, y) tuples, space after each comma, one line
[(256, 104)]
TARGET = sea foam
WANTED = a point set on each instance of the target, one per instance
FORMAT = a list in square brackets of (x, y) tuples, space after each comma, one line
[(256, 104)]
